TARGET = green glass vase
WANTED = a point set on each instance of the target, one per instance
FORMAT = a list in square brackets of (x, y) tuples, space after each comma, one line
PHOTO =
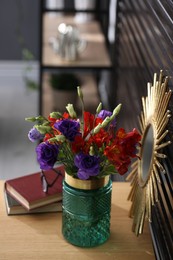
[(86, 214)]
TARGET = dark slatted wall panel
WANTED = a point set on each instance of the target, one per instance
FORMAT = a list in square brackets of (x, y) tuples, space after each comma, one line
[(144, 45)]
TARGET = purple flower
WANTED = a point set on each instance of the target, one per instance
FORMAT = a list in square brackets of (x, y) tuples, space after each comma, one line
[(88, 165), (104, 113), (69, 128), (34, 135), (47, 155)]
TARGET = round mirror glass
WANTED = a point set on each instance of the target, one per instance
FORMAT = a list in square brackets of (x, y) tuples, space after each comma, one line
[(146, 154)]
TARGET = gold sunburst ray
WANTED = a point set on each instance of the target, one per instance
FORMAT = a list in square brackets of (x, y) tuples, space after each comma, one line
[(153, 120), (151, 191), (155, 171), (154, 182), (160, 146), (159, 139)]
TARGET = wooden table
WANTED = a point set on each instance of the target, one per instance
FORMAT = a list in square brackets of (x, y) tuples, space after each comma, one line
[(39, 237)]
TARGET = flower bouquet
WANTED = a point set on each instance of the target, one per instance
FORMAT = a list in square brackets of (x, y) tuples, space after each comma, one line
[(91, 150)]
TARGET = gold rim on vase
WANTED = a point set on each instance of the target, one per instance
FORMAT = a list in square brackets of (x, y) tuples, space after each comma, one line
[(86, 184)]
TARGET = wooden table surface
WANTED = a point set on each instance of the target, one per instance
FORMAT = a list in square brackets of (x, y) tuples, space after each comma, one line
[(39, 237)]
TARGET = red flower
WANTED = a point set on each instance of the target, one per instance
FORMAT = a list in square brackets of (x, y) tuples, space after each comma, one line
[(129, 141), (52, 119), (66, 115), (122, 148), (114, 153), (123, 167), (90, 122), (47, 137), (100, 139), (79, 145)]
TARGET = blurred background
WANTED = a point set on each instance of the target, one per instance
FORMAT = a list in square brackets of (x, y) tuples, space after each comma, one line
[(19, 29), (122, 53), (21, 62)]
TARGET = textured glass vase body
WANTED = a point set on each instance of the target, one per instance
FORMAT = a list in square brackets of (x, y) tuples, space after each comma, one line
[(86, 215)]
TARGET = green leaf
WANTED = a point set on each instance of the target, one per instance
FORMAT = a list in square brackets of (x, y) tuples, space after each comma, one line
[(107, 170), (31, 84), (27, 55)]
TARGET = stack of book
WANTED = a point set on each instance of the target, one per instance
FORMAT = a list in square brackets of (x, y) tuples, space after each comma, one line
[(25, 194)]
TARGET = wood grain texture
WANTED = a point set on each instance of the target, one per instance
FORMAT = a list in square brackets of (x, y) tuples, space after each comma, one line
[(39, 236)]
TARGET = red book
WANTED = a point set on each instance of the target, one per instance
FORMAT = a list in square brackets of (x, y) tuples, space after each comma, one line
[(15, 208), (28, 189)]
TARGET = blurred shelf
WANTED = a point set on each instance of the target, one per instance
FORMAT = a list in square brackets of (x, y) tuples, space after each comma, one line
[(94, 56)]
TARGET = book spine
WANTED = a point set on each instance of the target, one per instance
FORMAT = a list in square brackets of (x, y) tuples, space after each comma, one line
[(6, 190)]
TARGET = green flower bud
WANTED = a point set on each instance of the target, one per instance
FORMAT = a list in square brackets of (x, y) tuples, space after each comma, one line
[(41, 118), (80, 94), (31, 119), (97, 128), (43, 129), (71, 111), (46, 123), (91, 151), (106, 121), (55, 115), (99, 108), (117, 110)]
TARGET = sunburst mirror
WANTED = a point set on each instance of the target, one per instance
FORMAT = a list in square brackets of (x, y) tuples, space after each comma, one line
[(144, 175)]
